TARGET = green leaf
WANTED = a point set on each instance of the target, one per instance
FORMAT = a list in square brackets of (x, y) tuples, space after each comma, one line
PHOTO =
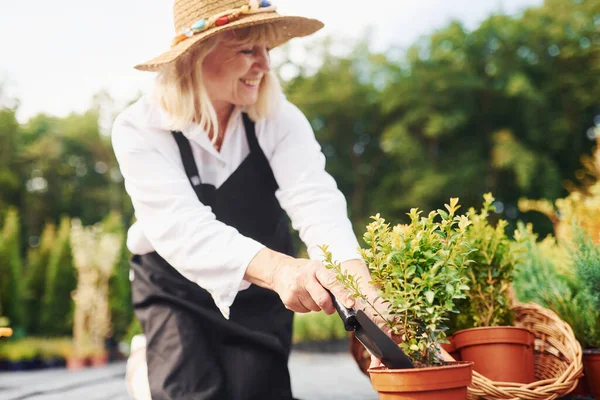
[(443, 213), (429, 295)]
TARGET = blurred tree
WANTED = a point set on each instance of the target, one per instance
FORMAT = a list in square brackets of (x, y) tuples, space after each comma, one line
[(70, 170), (120, 294), (11, 269), (504, 108), (341, 101), (35, 279), (57, 306), (10, 183), (121, 308)]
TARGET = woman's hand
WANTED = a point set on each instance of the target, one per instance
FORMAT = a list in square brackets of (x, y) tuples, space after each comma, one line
[(300, 283), (301, 286)]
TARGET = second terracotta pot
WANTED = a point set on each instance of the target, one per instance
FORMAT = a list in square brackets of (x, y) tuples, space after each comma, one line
[(591, 365), (448, 382), (99, 360), (500, 353), (582, 389), (76, 363)]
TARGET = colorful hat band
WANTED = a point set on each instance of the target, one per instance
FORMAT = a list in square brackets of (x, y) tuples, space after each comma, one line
[(223, 18)]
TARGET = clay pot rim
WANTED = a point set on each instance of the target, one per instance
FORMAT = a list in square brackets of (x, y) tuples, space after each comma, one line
[(505, 334), (456, 374), (488, 328), (591, 351), (451, 364)]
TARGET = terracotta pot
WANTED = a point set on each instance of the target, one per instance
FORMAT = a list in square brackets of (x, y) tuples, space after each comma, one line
[(582, 389), (76, 363), (591, 366), (451, 348), (448, 382), (360, 354), (99, 360), (500, 353)]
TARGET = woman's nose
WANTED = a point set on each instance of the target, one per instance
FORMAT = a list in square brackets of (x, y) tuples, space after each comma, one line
[(263, 61)]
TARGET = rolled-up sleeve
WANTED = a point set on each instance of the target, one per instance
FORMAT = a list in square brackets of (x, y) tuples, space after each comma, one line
[(307, 192), (181, 229)]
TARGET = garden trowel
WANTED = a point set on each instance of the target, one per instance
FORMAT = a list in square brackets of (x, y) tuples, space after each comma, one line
[(372, 337)]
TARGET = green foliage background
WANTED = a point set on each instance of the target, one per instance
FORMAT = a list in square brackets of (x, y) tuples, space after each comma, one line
[(503, 109), (563, 278)]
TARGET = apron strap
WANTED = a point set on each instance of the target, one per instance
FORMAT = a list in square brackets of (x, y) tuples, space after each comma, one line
[(251, 134), (189, 164), (257, 150)]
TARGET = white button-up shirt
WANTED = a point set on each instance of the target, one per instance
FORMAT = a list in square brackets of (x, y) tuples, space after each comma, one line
[(173, 222)]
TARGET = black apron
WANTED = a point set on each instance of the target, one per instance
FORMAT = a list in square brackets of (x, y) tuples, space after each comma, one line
[(192, 351)]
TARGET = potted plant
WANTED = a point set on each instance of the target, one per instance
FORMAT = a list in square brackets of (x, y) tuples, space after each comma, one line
[(546, 276), (419, 270), (484, 332), (586, 261), (572, 291), (76, 357), (98, 357)]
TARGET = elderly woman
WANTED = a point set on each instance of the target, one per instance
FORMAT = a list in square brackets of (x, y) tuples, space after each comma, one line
[(215, 162)]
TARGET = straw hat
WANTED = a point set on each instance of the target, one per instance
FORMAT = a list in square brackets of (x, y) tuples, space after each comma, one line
[(197, 20)]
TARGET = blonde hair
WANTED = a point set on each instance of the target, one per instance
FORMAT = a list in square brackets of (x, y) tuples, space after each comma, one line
[(181, 92)]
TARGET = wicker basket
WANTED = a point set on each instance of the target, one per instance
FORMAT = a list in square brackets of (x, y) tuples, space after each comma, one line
[(558, 363)]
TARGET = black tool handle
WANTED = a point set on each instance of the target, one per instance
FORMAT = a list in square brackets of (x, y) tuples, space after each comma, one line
[(348, 315)]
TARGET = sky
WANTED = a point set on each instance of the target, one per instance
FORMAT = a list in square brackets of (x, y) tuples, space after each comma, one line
[(55, 55)]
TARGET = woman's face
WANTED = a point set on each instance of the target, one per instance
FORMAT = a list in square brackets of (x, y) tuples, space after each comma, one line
[(233, 72)]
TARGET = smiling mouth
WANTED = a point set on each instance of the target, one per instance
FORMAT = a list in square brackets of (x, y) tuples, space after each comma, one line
[(251, 82)]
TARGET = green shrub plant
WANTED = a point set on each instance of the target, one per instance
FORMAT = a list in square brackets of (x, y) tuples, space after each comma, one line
[(419, 269), (490, 271)]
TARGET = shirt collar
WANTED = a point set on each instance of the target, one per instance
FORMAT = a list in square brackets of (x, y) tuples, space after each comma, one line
[(159, 118)]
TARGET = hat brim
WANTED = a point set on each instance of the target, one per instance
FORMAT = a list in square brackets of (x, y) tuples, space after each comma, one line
[(289, 27)]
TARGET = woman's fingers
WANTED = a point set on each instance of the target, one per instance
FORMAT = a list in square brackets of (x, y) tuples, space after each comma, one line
[(320, 296), (302, 286), (298, 287), (294, 301), (297, 307), (328, 279), (309, 303)]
